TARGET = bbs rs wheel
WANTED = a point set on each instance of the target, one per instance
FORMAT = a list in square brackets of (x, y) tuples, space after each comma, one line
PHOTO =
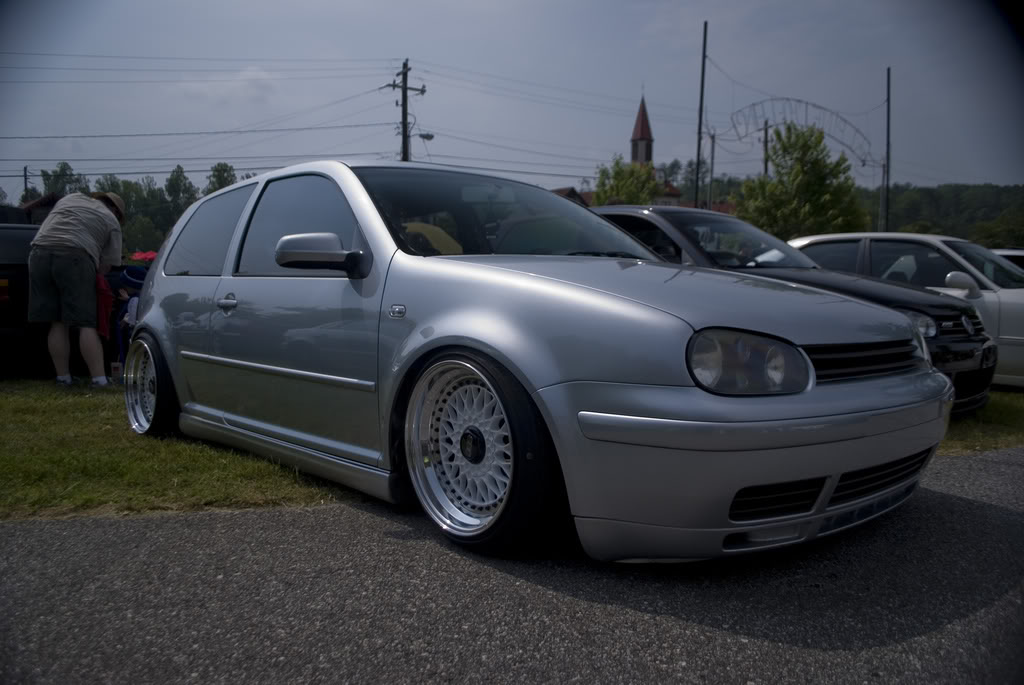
[(149, 395), (478, 455)]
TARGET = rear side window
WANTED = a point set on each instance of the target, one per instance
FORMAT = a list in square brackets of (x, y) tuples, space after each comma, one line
[(298, 204), (838, 255), (907, 262), (202, 244), (650, 235)]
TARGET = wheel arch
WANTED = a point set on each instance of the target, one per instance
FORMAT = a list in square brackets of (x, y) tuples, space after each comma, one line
[(398, 406)]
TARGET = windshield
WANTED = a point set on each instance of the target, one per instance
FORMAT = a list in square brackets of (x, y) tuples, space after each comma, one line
[(433, 212), (734, 244), (999, 270)]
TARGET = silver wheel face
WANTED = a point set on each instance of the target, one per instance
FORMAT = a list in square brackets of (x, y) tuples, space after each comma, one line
[(140, 386), (459, 447)]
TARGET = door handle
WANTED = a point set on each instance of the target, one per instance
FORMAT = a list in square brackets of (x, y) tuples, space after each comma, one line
[(228, 302)]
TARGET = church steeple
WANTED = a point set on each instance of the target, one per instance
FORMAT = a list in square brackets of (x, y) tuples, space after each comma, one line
[(642, 140)]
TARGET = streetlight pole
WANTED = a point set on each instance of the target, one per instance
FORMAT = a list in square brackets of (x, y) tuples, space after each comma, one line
[(700, 117)]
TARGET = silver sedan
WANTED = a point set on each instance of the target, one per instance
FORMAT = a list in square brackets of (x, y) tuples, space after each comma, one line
[(513, 360)]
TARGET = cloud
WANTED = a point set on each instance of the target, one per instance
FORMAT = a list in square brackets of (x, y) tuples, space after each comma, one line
[(251, 85)]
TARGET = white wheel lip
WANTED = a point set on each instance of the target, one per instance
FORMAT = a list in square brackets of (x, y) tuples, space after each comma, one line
[(139, 370), (424, 480)]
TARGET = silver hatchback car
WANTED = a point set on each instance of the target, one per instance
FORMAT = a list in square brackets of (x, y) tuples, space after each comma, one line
[(513, 359)]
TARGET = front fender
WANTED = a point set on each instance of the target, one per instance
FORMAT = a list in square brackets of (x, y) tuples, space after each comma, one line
[(541, 330)]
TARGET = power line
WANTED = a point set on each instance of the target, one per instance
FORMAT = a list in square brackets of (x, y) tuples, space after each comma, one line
[(177, 70), (561, 89), (520, 149), (193, 58), (182, 81), (198, 133), (724, 73)]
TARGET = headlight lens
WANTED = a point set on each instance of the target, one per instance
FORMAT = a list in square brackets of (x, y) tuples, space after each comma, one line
[(736, 363), (925, 324)]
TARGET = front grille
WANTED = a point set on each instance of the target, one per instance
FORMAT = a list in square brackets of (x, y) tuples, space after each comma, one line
[(865, 482), (777, 499), (953, 324), (844, 362), (970, 383)]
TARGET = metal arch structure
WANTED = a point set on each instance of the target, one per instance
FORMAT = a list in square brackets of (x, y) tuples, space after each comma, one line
[(837, 128)]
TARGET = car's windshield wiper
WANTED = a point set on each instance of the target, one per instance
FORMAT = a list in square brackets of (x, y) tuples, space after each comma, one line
[(610, 253)]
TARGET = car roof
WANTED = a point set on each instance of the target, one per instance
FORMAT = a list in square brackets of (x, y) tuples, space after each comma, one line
[(922, 237), (660, 209)]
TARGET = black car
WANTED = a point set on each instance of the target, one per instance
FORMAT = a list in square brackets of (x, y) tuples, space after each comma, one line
[(959, 346)]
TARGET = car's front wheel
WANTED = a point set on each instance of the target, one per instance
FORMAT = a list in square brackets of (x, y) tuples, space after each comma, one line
[(479, 458), (149, 395)]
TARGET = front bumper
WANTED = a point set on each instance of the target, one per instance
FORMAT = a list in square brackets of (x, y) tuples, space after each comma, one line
[(970, 364), (654, 472)]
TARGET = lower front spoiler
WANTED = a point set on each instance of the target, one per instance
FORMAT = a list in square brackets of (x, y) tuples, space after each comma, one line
[(609, 540)]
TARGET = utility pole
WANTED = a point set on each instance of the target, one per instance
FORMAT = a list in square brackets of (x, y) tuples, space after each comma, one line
[(765, 147), (882, 201), (700, 117), (404, 86), (24, 174), (711, 176), (888, 160)]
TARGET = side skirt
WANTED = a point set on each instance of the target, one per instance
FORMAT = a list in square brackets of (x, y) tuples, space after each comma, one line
[(385, 485)]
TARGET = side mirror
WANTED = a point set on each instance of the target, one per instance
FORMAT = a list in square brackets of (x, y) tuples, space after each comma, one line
[(962, 281), (320, 251)]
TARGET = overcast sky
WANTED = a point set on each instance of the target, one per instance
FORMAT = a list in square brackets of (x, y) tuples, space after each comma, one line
[(547, 87)]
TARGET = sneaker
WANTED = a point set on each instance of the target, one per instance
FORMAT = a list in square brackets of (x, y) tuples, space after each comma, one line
[(63, 385), (93, 385)]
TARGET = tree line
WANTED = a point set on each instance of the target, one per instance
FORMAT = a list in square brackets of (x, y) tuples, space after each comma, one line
[(151, 209)]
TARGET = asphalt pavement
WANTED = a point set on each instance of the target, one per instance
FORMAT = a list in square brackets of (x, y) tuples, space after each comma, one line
[(363, 592)]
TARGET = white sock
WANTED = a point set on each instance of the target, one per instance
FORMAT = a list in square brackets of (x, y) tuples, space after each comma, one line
[(64, 379), (99, 380)]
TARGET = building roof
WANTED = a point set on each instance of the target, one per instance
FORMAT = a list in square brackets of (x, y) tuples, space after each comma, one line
[(642, 127)]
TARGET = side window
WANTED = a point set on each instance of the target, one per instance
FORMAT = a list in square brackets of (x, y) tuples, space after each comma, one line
[(837, 255), (203, 243), (651, 236), (907, 262), (299, 204)]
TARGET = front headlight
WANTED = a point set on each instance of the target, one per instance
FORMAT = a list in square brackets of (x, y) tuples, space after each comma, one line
[(924, 324), (736, 363)]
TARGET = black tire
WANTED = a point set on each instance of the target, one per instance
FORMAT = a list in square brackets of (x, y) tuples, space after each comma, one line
[(532, 511), (150, 398)]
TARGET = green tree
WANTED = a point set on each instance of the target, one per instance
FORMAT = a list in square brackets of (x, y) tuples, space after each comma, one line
[(3, 196), (248, 175), (108, 183), (1007, 230), (29, 194), (63, 180), (633, 184), (669, 172), (807, 193), (181, 192), (140, 234), (221, 175), (688, 173)]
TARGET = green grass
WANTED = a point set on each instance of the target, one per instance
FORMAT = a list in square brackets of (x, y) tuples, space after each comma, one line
[(999, 425), (71, 452)]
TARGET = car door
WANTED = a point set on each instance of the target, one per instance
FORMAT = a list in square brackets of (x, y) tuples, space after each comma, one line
[(835, 255), (295, 350), (924, 265), (184, 297)]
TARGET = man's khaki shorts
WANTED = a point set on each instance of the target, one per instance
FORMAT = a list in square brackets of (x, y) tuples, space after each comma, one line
[(62, 286)]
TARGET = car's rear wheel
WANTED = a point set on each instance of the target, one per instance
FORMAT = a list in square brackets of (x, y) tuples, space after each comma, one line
[(479, 458), (149, 395)]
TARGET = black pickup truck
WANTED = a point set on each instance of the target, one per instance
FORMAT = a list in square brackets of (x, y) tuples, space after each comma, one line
[(24, 344)]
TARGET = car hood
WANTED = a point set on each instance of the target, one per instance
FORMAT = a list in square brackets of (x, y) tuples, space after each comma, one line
[(877, 290), (711, 297)]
